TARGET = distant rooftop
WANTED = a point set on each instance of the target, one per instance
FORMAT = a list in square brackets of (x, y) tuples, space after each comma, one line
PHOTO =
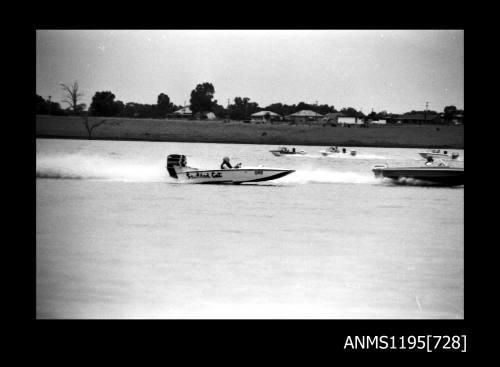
[(417, 116), (305, 113), (263, 113)]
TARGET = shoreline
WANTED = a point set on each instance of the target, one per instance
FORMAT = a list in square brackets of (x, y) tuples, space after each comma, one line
[(236, 132)]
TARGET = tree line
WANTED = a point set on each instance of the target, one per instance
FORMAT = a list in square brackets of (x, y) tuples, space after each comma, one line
[(201, 101)]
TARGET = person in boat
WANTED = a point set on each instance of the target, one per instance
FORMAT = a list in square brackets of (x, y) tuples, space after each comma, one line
[(435, 163), (440, 163), (226, 164)]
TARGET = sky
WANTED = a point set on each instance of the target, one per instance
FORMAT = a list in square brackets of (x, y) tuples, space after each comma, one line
[(392, 70)]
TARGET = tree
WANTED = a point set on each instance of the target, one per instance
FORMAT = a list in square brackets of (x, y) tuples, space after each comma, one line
[(163, 105), (41, 105), (372, 116), (72, 96), (103, 104), (201, 98), (219, 110), (89, 126), (119, 108), (242, 108), (44, 107), (350, 112), (449, 112)]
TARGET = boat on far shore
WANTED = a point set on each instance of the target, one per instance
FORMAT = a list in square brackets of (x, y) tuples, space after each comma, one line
[(284, 151), (436, 153)]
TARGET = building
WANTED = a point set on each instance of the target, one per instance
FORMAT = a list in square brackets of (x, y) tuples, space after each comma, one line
[(377, 122), (347, 120), (333, 117), (458, 119), (304, 116), (417, 118), (186, 112), (183, 112), (261, 116)]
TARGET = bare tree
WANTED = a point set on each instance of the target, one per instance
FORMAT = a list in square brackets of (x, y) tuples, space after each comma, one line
[(72, 96), (91, 126)]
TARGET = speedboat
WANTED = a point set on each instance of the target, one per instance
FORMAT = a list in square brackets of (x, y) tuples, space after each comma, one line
[(329, 151), (436, 153), (178, 169), (284, 150), (441, 174)]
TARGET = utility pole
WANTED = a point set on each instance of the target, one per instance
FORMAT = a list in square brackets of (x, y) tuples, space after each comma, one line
[(50, 104), (425, 112)]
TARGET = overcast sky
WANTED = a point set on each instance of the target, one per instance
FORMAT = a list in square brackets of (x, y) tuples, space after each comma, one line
[(396, 71)]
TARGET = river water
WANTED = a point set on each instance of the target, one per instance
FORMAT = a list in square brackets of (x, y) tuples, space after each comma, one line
[(116, 237)]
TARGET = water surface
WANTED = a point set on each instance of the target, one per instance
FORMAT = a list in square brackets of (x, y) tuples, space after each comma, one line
[(118, 238)]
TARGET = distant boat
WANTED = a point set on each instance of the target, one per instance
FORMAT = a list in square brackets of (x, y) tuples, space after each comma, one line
[(284, 150), (329, 151), (333, 150), (436, 153), (441, 175), (178, 169)]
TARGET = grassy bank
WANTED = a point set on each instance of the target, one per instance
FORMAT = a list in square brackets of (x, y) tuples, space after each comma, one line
[(416, 136)]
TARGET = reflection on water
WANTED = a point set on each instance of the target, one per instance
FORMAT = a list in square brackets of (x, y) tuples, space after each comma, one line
[(328, 241)]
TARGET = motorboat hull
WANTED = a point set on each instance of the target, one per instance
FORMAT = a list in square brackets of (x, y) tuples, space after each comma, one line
[(426, 155), (232, 176), (443, 176), (280, 152), (327, 152)]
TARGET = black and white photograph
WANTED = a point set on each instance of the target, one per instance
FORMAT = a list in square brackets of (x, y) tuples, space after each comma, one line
[(250, 174)]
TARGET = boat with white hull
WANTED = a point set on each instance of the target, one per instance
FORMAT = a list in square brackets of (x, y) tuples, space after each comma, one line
[(177, 168), (329, 151), (333, 150), (284, 151), (437, 175), (437, 154)]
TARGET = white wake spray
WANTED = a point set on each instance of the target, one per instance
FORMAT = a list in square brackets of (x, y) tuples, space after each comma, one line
[(302, 176), (96, 167), (78, 166)]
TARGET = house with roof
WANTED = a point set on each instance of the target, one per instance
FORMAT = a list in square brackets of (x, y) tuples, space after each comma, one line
[(264, 115), (417, 118), (304, 115), (333, 117), (377, 122), (350, 120), (185, 112)]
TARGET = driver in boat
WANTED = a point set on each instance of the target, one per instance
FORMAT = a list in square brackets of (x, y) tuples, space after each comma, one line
[(437, 163), (227, 165)]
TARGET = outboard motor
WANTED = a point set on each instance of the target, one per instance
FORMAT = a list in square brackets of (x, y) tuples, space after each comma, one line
[(175, 160)]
